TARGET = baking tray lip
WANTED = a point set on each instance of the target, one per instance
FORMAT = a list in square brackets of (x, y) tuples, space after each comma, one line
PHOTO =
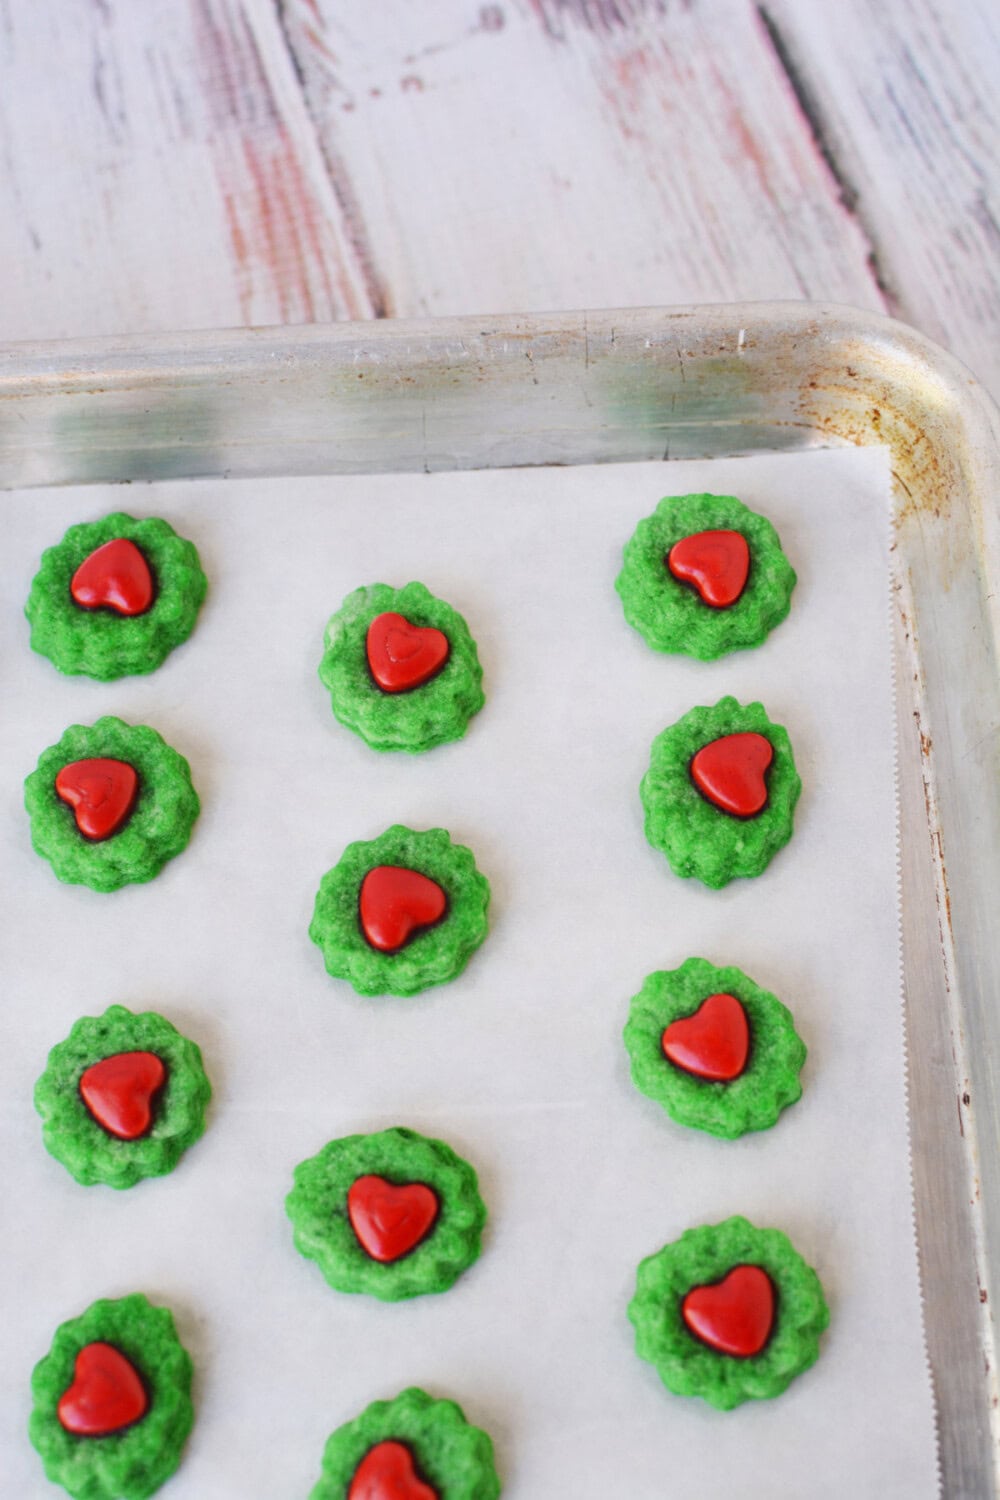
[(394, 395), (24, 362), (808, 313), (607, 386)]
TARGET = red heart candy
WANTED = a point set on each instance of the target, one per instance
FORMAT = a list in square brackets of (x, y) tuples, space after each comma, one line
[(730, 772), (395, 903), (390, 1219), (734, 1315), (119, 1091), (107, 1393), (101, 793), (403, 656), (712, 1043), (116, 576), (387, 1472), (716, 562)]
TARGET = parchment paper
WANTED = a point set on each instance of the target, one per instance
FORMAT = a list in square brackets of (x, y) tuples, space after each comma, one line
[(519, 1064)]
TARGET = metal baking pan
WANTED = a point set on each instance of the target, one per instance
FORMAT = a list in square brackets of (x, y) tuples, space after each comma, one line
[(688, 383)]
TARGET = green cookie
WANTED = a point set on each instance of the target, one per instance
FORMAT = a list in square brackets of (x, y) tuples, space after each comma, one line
[(704, 1257), (670, 611), (431, 954), (413, 1225), (409, 1441), (698, 837), (769, 1079), (101, 642), (132, 1462), (158, 826), (362, 647), (73, 1134)]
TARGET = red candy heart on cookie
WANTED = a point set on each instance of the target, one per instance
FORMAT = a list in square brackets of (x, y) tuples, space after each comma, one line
[(119, 1091), (734, 1315), (116, 577), (403, 656), (713, 1043), (107, 1393), (730, 772), (395, 903), (387, 1472), (101, 793), (390, 1219), (717, 563)]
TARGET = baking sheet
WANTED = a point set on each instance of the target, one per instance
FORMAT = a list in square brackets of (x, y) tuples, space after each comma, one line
[(519, 1063)]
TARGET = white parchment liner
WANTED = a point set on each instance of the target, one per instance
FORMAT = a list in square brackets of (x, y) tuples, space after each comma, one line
[(519, 1064)]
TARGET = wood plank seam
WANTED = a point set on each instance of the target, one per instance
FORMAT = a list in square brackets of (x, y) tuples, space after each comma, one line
[(272, 180), (339, 179), (812, 114)]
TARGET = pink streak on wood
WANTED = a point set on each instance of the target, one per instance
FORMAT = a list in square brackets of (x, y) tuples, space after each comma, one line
[(241, 256), (629, 75), (748, 147), (314, 36), (283, 251)]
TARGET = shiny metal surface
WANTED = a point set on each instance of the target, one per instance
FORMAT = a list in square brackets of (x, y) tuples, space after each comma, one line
[(639, 384)]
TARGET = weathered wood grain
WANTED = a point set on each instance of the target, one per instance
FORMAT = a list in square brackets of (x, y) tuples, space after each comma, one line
[(189, 163), (160, 171), (904, 95), (533, 154)]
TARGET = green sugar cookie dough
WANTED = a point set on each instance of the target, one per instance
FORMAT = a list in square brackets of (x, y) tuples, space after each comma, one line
[(429, 951), (710, 1040), (702, 1259), (131, 1461), (440, 1450), (113, 1059), (157, 826), (394, 1214), (671, 612), (420, 648), (698, 837), (100, 641)]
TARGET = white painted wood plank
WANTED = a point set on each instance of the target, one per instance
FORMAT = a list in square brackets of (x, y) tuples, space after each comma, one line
[(907, 95), (159, 170), (535, 154)]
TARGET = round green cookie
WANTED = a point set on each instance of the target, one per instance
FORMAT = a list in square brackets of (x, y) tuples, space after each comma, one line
[(671, 613), (443, 1450), (434, 953), (415, 718), (704, 1257), (697, 837), (363, 1209), (751, 1101), (131, 1463), (158, 827), (99, 641), (74, 1136)]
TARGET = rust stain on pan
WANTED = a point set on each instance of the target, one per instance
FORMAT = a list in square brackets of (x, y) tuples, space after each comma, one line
[(925, 471), (942, 893), (864, 394), (926, 743), (922, 478), (944, 899)]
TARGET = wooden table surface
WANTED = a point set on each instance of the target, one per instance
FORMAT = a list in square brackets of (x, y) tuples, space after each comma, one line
[(178, 164)]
